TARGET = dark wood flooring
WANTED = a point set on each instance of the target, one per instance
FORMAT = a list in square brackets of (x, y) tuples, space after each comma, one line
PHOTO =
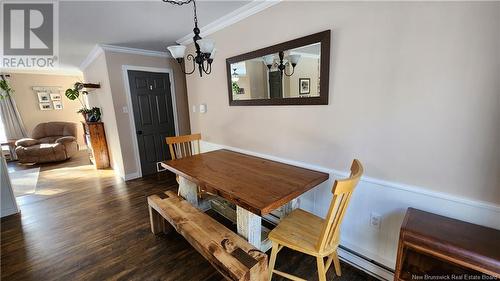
[(93, 226)]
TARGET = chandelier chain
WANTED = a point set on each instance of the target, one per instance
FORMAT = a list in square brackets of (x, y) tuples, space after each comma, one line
[(183, 2)]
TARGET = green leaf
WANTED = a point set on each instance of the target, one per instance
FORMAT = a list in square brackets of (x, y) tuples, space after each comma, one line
[(72, 94)]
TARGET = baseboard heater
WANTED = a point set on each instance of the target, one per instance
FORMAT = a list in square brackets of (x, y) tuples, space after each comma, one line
[(365, 264)]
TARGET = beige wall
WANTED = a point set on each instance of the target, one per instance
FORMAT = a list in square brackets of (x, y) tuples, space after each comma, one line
[(414, 93), (111, 67), (97, 72), (27, 100)]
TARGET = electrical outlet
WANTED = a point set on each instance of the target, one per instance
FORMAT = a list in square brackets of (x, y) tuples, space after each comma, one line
[(375, 220)]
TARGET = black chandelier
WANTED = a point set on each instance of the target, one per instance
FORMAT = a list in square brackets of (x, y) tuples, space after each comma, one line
[(205, 50), (281, 63)]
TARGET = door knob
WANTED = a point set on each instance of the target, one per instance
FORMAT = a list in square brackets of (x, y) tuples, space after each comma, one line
[(139, 132)]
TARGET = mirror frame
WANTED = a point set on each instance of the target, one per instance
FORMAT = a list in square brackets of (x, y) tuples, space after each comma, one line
[(320, 37)]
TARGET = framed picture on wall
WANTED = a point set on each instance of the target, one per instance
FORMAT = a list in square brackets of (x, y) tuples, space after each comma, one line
[(304, 86), (55, 96), (58, 105), (43, 97), (45, 106)]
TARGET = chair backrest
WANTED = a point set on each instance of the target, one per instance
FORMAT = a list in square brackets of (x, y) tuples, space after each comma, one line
[(342, 191), (53, 129), (183, 146)]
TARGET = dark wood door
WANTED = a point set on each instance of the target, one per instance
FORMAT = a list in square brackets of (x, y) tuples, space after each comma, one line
[(275, 85), (153, 116)]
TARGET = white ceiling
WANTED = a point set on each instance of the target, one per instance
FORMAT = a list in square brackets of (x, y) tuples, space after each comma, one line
[(149, 25)]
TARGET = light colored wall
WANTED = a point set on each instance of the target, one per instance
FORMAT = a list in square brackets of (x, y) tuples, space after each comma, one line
[(414, 93), (27, 100), (307, 68), (115, 61), (109, 67), (97, 72)]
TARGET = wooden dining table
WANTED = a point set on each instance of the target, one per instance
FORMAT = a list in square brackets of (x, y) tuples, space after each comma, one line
[(257, 186)]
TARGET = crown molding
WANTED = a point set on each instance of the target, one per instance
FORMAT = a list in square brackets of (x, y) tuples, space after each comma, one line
[(94, 53), (42, 71), (100, 48), (235, 16), (126, 50)]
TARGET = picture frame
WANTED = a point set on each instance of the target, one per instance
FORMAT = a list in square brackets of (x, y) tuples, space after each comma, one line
[(45, 106), (304, 86), (57, 105), (55, 96), (43, 97)]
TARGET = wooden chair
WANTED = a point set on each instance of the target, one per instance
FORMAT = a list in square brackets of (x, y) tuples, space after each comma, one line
[(183, 146), (312, 235)]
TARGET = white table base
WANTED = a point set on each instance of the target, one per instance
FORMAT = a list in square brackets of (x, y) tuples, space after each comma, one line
[(249, 225)]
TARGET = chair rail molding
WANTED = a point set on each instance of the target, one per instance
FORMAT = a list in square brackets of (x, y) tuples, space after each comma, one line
[(374, 249)]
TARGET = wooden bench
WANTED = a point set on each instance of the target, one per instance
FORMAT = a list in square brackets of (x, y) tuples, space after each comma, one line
[(229, 253)]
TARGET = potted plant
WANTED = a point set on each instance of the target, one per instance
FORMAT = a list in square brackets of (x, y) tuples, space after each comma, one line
[(89, 114), (6, 89)]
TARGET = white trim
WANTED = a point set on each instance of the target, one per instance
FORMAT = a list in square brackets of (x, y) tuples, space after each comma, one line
[(231, 18), (131, 176), (94, 53), (56, 71), (125, 69), (99, 48), (127, 50), (364, 265), (400, 186)]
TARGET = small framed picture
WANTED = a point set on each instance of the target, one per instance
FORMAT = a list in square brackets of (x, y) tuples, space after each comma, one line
[(55, 96), (43, 97), (304, 86), (58, 105), (45, 106)]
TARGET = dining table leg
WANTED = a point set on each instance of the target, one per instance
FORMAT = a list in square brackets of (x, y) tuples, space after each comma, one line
[(249, 226), (188, 190)]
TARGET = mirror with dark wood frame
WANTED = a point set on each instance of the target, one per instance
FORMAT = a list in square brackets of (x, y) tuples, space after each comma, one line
[(295, 72)]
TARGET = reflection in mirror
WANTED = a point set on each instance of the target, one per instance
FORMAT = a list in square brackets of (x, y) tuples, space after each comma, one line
[(291, 73)]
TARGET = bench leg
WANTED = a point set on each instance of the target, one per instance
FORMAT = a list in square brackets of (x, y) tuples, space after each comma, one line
[(158, 223), (249, 226)]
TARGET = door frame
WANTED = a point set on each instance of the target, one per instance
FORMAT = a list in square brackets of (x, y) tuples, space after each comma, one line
[(135, 144)]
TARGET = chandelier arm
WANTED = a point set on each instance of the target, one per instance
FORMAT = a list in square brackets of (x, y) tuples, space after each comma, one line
[(189, 57), (293, 70), (209, 68)]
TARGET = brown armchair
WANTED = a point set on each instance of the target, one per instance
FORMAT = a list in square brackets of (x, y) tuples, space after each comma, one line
[(49, 142)]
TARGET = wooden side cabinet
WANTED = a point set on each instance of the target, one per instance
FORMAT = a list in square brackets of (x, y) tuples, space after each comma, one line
[(434, 247), (95, 139)]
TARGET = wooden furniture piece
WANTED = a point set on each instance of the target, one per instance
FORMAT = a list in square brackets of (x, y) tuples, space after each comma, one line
[(435, 245), (95, 139), (255, 185), (230, 254), (310, 234), (11, 144), (183, 146)]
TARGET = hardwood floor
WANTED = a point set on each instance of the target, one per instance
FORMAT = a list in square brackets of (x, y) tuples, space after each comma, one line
[(84, 224)]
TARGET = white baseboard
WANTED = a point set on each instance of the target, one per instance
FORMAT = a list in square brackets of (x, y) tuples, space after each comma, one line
[(365, 265), (387, 199), (131, 176)]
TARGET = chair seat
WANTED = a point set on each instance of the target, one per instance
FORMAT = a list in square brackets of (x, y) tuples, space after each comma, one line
[(300, 231)]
